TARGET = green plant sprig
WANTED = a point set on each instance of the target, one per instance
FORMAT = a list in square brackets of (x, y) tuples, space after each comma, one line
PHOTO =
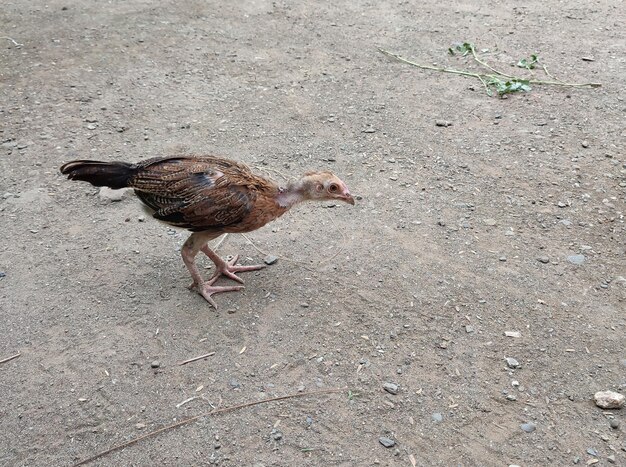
[(501, 82)]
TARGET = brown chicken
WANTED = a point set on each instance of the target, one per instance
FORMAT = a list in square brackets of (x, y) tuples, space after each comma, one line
[(209, 196)]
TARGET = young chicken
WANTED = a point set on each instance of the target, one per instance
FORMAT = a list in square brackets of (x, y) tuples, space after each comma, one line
[(209, 196)]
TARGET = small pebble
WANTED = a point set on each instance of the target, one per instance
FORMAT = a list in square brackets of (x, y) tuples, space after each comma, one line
[(543, 259), (511, 397), (576, 259), (512, 363), (140, 426), (276, 435), (437, 417), (270, 259), (611, 458), (585, 144), (387, 442), (391, 388), (469, 328), (561, 204), (502, 258), (592, 452), (155, 364), (614, 424), (528, 427), (234, 383), (515, 334), (443, 123), (490, 222), (141, 219), (609, 399)]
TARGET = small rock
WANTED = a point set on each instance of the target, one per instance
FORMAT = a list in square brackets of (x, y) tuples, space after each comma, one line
[(155, 364), (437, 417), (512, 363), (369, 130), (141, 219), (502, 258), (270, 259), (276, 435), (234, 383), (528, 427), (614, 424), (490, 222), (443, 123), (585, 144), (561, 204), (515, 334), (576, 259), (611, 458), (469, 328), (2, 274), (609, 399), (543, 259), (140, 426), (391, 388), (107, 194), (511, 397), (387, 442), (592, 452)]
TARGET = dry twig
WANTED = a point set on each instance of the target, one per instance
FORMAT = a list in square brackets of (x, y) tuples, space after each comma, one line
[(206, 414), (197, 358), (8, 359)]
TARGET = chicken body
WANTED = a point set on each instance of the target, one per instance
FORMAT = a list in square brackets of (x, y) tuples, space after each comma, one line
[(209, 196)]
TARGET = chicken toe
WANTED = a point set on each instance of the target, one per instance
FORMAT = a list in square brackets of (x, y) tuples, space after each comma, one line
[(207, 289), (230, 267)]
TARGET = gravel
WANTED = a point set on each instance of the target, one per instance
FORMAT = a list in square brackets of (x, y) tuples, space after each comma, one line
[(391, 388), (576, 259), (387, 442), (512, 363), (609, 399)]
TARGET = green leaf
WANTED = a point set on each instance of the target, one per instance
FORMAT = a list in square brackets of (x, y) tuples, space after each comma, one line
[(464, 48), (528, 64)]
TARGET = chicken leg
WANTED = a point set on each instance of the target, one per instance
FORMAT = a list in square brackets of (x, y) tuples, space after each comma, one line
[(198, 242), (195, 243)]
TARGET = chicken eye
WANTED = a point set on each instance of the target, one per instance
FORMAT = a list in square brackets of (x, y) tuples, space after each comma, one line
[(333, 188)]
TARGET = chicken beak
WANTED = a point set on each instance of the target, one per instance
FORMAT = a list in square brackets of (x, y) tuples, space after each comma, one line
[(348, 198)]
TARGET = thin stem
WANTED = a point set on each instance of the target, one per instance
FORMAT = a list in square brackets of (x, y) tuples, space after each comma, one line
[(486, 65), (482, 77), (427, 67)]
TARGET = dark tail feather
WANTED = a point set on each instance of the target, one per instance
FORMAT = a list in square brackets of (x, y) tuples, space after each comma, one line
[(115, 175)]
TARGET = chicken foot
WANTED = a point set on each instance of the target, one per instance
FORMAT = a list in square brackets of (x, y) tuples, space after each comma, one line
[(228, 268), (189, 252)]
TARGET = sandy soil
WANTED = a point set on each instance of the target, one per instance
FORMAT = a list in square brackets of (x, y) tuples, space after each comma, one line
[(462, 233)]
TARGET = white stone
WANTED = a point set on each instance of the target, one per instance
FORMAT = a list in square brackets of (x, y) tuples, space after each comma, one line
[(609, 399)]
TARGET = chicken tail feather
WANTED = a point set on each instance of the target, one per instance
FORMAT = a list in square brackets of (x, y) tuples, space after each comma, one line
[(115, 175)]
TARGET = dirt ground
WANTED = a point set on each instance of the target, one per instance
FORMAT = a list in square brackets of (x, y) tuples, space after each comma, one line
[(461, 233)]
